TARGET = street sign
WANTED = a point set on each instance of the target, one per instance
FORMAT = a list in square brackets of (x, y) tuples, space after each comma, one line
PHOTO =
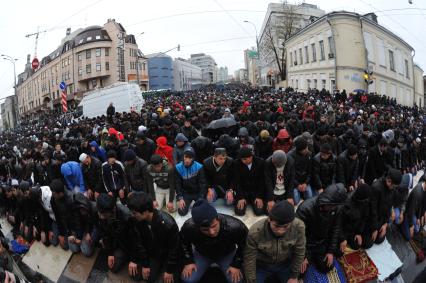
[(35, 63), (62, 85)]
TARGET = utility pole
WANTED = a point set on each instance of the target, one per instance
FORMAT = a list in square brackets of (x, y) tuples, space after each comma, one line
[(36, 39), (14, 100)]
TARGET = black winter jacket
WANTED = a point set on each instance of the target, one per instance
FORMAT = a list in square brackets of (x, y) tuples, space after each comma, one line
[(233, 232), (92, 175), (323, 172), (220, 180), (381, 203), (63, 210), (145, 150), (346, 169), (302, 167), (249, 183), (135, 175), (416, 204)]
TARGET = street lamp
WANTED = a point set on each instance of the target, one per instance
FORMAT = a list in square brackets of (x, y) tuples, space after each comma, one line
[(13, 60)]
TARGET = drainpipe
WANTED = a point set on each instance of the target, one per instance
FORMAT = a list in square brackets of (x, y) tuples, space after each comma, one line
[(414, 78), (365, 48), (335, 55)]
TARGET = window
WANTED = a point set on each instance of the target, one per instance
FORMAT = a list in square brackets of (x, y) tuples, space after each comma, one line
[(314, 52), (98, 52), (295, 57), (300, 56), (88, 54), (321, 44), (89, 38), (407, 74), (323, 82), (80, 71), (143, 66), (81, 41), (106, 51), (88, 69), (333, 84), (79, 56), (308, 83), (98, 67), (98, 37), (315, 83), (331, 45), (391, 61), (107, 66), (306, 54), (291, 58)]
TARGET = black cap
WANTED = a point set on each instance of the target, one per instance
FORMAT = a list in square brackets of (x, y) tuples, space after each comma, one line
[(395, 175), (105, 203), (57, 186), (245, 152), (189, 152), (111, 154), (203, 213), (24, 186), (156, 159), (282, 212), (129, 155)]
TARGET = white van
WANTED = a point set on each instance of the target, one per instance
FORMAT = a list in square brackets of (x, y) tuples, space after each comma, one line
[(124, 96)]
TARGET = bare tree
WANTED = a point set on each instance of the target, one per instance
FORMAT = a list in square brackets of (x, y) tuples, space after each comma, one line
[(277, 33)]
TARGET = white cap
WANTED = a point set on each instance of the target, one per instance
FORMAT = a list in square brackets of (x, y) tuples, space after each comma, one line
[(82, 157), (418, 140), (141, 128), (188, 107), (14, 183)]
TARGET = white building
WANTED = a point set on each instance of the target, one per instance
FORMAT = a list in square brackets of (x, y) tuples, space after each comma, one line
[(334, 51), (419, 87), (222, 74), (186, 76), (278, 17), (241, 76), (207, 65)]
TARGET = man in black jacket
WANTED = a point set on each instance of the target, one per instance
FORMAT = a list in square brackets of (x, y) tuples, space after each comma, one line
[(118, 234), (134, 169), (91, 168), (113, 176), (376, 162), (347, 167), (218, 170), (323, 168), (302, 167), (356, 219), (249, 180), (209, 237), (415, 211), (382, 195), (145, 147), (160, 239), (279, 178), (322, 216)]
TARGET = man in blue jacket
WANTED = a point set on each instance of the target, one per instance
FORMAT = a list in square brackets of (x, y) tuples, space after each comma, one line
[(73, 176), (190, 181)]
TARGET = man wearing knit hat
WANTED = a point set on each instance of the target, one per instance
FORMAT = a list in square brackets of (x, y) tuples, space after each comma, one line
[(190, 181), (263, 259), (302, 167), (210, 237), (279, 178)]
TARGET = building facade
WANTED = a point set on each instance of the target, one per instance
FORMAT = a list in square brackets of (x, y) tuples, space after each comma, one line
[(8, 112), (419, 90), (334, 52), (86, 59), (208, 67), (241, 76), (186, 76), (160, 69), (279, 17), (222, 74)]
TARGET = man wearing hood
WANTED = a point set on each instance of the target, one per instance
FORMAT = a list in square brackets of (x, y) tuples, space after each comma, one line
[(322, 218), (382, 195), (160, 182), (356, 219), (275, 246), (97, 151), (164, 150), (73, 176), (282, 141), (181, 143), (279, 178), (190, 181)]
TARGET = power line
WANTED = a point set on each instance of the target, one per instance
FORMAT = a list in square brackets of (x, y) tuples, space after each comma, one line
[(219, 40), (190, 13), (232, 17)]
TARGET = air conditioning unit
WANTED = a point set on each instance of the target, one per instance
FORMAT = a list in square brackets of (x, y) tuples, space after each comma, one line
[(330, 55), (295, 63)]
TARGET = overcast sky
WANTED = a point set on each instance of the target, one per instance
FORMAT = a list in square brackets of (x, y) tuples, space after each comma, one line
[(214, 27)]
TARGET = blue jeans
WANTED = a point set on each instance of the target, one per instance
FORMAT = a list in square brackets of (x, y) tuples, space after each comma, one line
[(215, 197), (55, 240), (85, 247), (307, 194), (282, 271), (405, 229), (397, 215), (203, 263)]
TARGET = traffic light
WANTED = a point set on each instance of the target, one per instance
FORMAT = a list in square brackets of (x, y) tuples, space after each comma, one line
[(368, 77)]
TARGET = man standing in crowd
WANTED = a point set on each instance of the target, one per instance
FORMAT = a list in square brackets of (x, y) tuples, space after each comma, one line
[(134, 169), (376, 162), (347, 168), (190, 181), (73, 177), (218, 170), (92, 173), (160, 238), (113, 176), (323, 168), (209, 237), (282, 230), (249, 178), (160, 182), (145, 147)]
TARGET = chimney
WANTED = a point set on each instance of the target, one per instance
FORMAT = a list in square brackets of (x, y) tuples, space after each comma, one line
[(68, 31)]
